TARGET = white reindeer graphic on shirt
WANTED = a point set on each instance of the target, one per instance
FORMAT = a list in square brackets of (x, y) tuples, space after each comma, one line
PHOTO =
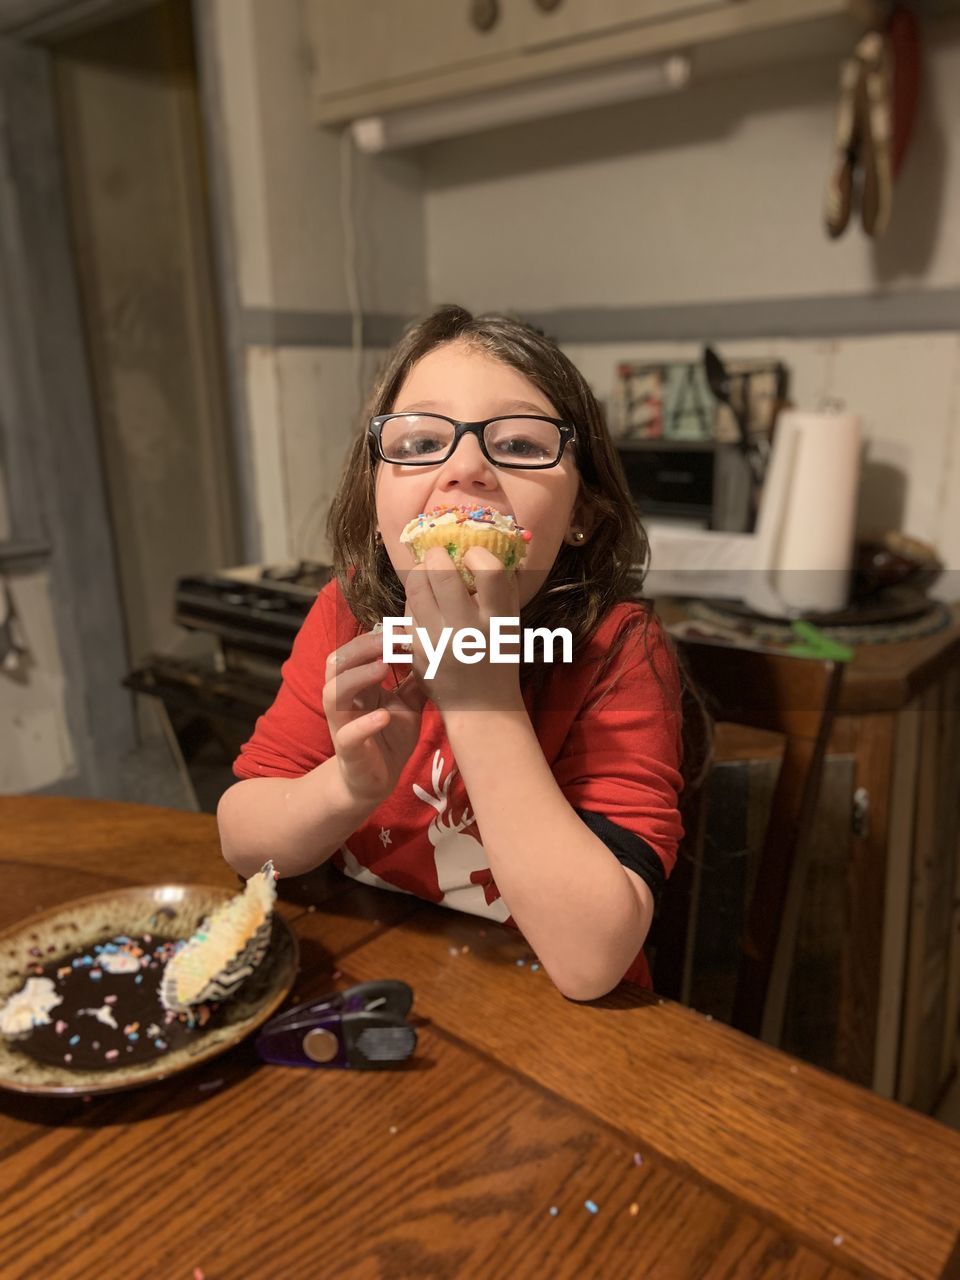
[(457, 855)]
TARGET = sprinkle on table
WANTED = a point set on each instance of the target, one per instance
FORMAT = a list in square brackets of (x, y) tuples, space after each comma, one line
[(590, 1206), (637, 1158), (634, 1209), (838, 1240), (554, 1211)]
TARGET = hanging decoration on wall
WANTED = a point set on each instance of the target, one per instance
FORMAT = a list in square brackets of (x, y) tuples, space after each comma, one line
[(879, 90)]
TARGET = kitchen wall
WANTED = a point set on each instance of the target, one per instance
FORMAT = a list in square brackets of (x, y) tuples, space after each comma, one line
[(637, 231), (698, 216), (318, 236)]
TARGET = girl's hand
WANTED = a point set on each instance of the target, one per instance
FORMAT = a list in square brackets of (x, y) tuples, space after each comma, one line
[(436, 597), (374, 731)]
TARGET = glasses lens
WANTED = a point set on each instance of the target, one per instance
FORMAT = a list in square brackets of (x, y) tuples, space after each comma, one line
[(528, 442), (416, 437)]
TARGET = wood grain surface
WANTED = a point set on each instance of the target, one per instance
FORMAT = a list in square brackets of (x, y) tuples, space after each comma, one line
[(705, 1153)]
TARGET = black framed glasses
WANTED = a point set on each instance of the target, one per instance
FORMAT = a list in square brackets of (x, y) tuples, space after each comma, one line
[(523, 441)]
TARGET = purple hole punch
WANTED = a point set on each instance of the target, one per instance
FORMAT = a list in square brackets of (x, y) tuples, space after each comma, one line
[(363, 1027)]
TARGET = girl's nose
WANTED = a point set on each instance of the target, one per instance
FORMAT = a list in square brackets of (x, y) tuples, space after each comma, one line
[(468, 465)]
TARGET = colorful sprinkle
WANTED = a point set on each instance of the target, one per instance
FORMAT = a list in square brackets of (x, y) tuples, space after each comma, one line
[(590, 1206), (554, 1211), (838, 1240), (74, 1040), (521, 963), (534, 968), (68, 1057), (637, 1158), (634, 1209), (111, 1054)]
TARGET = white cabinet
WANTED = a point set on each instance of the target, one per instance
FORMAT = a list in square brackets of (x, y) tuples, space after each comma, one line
[(372, 56), (367, 45)]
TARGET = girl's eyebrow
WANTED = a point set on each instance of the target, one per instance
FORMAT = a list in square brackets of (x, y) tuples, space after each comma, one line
[(506, 406)]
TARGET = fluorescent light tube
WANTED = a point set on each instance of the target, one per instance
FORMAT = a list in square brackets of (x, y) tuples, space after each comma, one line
[(449, 119)]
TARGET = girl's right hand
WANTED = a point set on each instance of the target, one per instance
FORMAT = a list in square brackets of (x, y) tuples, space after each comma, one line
[(374, 731)]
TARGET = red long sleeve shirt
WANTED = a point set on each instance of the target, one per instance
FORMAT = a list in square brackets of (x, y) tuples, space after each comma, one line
[(613, 747)]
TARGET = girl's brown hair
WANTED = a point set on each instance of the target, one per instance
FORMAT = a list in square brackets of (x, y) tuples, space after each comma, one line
[(587, 580)]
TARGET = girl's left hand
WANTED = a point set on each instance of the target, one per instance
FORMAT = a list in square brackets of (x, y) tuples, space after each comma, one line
[(437, 597)]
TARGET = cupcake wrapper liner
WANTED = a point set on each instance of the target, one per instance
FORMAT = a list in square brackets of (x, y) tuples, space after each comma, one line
[(458, 539)]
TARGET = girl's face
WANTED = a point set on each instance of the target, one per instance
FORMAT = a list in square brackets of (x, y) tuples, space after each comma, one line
[(464, 383)]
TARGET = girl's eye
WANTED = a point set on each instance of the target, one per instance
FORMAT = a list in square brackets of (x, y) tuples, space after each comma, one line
[(529, 440), (517, 447), (424, 444), (415, 446)]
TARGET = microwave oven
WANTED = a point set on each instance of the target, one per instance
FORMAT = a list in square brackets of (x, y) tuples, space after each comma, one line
[(704, 483)]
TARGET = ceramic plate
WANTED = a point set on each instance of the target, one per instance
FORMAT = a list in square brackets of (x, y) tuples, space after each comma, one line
[(120, 1040)]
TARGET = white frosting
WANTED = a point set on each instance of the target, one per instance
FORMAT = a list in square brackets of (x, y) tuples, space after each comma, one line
[(104, 1014), (30, 1007), (497, 521), (118, 962)]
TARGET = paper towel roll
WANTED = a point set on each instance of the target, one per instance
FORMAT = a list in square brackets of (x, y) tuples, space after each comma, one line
[(808, 515)]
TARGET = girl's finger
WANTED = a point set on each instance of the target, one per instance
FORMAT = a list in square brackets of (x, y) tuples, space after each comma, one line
[(350, 739), (349, 690), (498, 592), (449, 590), (421, 603), (356, 652)]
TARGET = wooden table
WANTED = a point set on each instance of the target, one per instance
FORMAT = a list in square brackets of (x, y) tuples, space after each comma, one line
[(751, 1164), (899, 998)]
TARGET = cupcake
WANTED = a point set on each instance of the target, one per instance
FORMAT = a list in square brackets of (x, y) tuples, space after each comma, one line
[(459, 528), (225, 950)]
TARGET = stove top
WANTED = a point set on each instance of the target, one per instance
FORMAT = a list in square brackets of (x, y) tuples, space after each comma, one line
[(305, 577), (258, 608)]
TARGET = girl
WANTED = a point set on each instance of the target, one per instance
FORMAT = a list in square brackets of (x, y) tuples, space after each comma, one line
[(539, 795)]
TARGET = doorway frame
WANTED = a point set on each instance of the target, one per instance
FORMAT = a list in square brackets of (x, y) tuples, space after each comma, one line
[(59, 516)]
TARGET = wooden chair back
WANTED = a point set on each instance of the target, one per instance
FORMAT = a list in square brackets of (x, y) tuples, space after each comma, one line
[(795, 697)]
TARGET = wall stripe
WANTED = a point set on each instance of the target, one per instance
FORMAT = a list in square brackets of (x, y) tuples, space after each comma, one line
[(932, 310)]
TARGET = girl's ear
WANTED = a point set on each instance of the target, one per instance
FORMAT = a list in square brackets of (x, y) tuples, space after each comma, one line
[(582, 519)]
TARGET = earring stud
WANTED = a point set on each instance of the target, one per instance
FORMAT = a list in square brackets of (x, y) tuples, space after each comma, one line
[(578, 535)]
